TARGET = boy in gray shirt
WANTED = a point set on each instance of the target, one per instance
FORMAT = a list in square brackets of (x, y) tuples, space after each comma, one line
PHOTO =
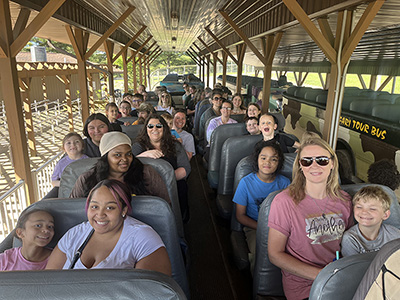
[(371, 207)]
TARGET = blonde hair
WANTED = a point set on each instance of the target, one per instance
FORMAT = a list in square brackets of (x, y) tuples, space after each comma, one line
[(167, 117), (373, 192), (168, 98), (297, 187)]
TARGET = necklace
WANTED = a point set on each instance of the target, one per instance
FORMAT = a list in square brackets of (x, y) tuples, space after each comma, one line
[(323, 210)]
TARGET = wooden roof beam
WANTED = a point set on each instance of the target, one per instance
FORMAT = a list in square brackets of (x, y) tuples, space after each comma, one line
[(243, 36), (193, 57), (37, 23), (110, 30), (154, 54), (145, 52), (326, 30), (362, 25), (312, 30), (155, 57), (209, 50), (221, 45), (21, 22), (130, 42), (140, 48)]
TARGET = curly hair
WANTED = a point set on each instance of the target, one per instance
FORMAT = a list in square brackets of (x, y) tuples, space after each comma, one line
[(384, 172), (167, 142), (133, 177), (278, 152)]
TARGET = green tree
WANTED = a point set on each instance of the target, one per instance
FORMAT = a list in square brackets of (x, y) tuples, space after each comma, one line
[(170, 59)]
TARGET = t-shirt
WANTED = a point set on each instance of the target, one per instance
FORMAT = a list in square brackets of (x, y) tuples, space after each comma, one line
[(62, 164), (214, 123), (168, 109), (284, 141), (13, 260), (354, 242), (136, 242), (313, 234), (188, 141), (252, 191), (91, 149)]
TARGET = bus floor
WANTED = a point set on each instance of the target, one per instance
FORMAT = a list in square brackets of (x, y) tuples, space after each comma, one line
[(212, 273)]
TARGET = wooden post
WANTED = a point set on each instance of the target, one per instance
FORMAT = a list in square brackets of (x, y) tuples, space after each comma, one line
[(25, 94), (215, 55), (224, 63), (140, 71), (125, 71), (134, 73), (208, 71), (109, 47), (240, 51), (67, 82)]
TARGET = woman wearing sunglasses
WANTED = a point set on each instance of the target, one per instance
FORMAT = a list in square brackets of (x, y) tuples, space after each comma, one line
[(117, 162), (155, 141), (165, 104), (307, 220)]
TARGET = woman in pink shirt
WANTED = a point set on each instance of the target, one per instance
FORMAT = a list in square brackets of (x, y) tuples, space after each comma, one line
[(35, 228), (308, 219)]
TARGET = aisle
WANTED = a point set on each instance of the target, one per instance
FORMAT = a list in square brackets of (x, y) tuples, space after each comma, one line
[(212, 274)]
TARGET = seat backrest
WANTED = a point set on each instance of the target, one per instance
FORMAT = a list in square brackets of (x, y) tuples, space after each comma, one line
[(132, 131), (202, 107), (267, 278), (128, 119), (217, 140), (153, 211), (167, 173), (340, 279), (394, 218), (233, 150), (388, 112), (82, 284), (203, 122), (380, 275), (71, 174), (238, 118), (365, 106)]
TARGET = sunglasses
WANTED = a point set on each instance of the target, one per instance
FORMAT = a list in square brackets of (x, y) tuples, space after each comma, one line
[(227, 108), (320, 160), (158, 126), (217, 98)]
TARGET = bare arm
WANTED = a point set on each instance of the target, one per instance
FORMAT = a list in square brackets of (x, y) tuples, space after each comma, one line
[(157, 261), (151, 154), (243, 218), (57, 259), (189, 154), (277, 255), (55, 183), (180, 173)]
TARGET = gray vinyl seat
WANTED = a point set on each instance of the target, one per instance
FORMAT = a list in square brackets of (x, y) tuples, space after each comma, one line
[(89, 285), (388, 112), (365, 106), (340, 279), (75, 169), (239, 118), (217, 140), (238, 239), (233, 150), (151, 210), (132, 131), (267, 277), (201, 107), (128, 119)]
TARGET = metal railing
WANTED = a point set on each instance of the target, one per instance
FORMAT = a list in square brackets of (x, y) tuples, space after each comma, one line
[(12, 204), (42, 176)]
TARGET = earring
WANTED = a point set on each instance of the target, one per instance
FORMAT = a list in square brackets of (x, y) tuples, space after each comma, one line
[(123, 216)]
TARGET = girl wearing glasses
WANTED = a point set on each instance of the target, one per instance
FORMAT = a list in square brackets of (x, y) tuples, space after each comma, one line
[(307, 220), (165, 104), (155, 141)]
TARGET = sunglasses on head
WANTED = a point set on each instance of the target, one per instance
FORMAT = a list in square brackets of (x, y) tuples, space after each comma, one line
[(151, 126), (320, 160)]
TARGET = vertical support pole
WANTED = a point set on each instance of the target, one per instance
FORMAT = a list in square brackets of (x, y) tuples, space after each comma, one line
[(25, 89), (215, 55), (134, 73), (144, 71), (125, 67), (224, 63), (140, 71), (207, 84), (67, 83), (13, 105), (91, 93), (240, 51), (109, 47)]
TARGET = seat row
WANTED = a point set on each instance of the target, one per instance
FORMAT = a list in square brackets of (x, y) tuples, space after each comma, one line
[(377, 104)]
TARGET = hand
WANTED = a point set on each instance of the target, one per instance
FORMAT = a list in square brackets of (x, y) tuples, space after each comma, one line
[(151, 154), (127, 123)]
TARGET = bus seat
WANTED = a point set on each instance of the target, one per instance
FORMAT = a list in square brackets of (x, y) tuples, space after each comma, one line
[(217, 140), (322, 98), (391, 97), (291, 90), (352, 90), (311, 95), (71, 174), (365, 106), (128, 119), (267, 278), (233, 150), (340, 279), (373, 95), (300, 93), (167, 173), (200, 108), (347, 99), (202, 145), (238, 239), (394, 218), (281, 121), (151, 210), (83, 284), (388, 112), (239, 118), (132, 130)]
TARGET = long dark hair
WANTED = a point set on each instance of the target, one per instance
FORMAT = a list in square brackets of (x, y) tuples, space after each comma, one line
[(167, 142), (92, 117), (133, 177)]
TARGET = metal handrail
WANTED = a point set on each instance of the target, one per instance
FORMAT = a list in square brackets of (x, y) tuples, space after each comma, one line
[(12, 190)]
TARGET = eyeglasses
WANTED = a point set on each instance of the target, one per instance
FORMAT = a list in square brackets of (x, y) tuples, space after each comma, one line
[(217, 99), (320, 160), (227, 108), (163, 96), (158, 126), (136, 100)]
